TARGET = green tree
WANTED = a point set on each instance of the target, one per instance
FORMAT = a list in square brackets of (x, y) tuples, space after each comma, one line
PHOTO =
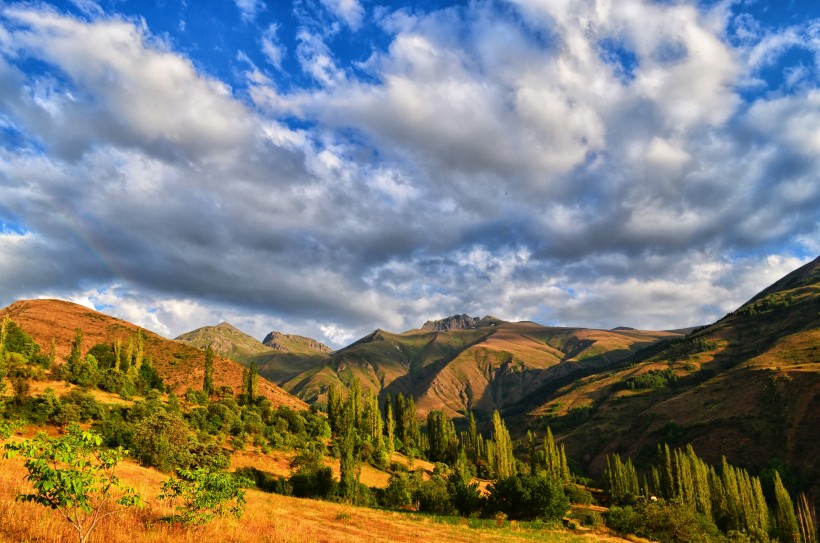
[(528, 497), (204, 494), (786, 527), (75, 476), (504, 465), (208, 380), (251, 383)]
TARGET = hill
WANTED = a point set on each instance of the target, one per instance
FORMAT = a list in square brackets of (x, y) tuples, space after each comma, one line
[(181, 366), (747, 386), (462, 362), (225, 340)]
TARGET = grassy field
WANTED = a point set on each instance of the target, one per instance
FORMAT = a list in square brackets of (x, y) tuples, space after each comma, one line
[(268, 518)]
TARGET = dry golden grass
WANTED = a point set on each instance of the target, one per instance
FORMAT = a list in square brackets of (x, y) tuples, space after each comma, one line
[(268, 518)]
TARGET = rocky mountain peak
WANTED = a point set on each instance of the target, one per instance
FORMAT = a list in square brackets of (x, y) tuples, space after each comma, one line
[(454, 322)]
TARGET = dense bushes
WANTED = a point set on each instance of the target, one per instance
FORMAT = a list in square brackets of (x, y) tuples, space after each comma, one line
[(528, 497)]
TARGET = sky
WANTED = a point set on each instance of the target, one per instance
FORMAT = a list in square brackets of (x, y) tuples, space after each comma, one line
[(329, 167)]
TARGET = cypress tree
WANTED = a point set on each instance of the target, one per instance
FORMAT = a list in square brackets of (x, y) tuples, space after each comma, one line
[(208, 379), (252, 384)]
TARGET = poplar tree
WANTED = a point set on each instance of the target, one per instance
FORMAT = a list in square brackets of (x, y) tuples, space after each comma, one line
[(208, 379), (531, 450), (411, 424), (334, 409), (787, 528), (621, 478), (390, 424), (806, 520), (349, 446), (555, 459), (504, 460), (401, 428)]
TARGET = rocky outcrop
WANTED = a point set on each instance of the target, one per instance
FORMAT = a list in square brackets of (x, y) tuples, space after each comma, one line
[(285, 342), (455, 322)]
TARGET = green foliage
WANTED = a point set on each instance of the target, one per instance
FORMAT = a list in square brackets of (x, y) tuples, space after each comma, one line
[(208, 379), (528, 497), (311, 477), (204, 494), (663, 522), (621, 479), (504, 461), (785, 520), (74, 475), (651, 379)]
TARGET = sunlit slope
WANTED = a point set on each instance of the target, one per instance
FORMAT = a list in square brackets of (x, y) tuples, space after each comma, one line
[(494, 364), (225, 340), (181, 366), (747, 386)]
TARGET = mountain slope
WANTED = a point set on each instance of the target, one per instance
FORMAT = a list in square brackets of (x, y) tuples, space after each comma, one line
[(747, 386), (181, 366), (225, 340), (463, 362)]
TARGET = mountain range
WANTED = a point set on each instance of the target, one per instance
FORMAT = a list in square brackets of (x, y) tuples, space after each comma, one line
[(746, 386)]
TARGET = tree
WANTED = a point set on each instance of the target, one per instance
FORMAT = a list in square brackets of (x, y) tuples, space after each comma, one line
[(74, 475), (251, 383), (787, 528), (208, 380), (528, 497), (504, 460), (205, 494), (807, 519)]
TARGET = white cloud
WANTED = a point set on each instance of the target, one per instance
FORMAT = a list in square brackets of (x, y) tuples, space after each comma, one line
[(539, 162), (350, 11), (249, 9), (271, 48)]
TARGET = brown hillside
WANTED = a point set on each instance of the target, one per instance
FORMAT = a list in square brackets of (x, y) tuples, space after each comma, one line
[(747, 387), (181, 366)]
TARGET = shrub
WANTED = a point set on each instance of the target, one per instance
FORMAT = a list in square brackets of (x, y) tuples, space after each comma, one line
[(204, 495), (528, 497)]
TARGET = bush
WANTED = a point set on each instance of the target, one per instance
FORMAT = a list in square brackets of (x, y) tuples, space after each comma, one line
[(663, 522), (528, 497), (205, 494)]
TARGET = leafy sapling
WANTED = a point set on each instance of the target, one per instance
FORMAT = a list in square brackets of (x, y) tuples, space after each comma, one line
[(74, 475)]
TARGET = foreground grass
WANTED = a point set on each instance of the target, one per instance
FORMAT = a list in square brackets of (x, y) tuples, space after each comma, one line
[(268, 518)]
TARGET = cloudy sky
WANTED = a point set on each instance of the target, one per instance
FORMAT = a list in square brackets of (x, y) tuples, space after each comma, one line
[(326, 167)]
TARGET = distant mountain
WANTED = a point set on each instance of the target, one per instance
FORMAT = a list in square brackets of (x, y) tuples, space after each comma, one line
[(459, 322), (291, 343), (462, 363), (747, 386), (225, 340), (181, 366)]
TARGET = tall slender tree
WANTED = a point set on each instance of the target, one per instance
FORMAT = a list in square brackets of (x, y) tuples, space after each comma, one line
[(504, 460), (208, 379)]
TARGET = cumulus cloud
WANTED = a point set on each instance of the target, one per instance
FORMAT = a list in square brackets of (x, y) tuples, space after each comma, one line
[(577, 163)]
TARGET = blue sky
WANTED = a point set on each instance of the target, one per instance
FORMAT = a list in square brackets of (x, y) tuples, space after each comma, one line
[(327, 167)]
